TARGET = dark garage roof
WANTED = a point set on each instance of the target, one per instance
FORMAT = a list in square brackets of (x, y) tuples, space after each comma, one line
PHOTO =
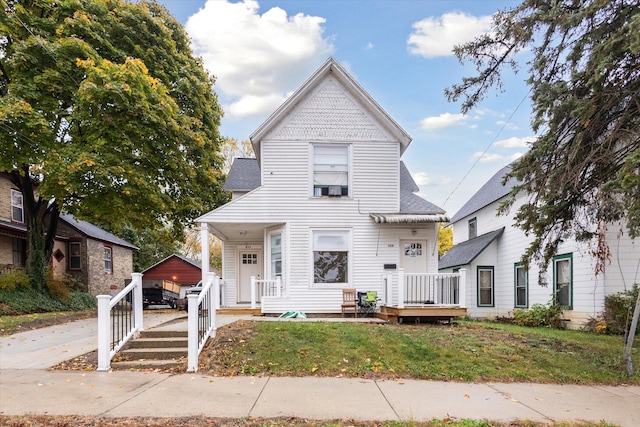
[(465, 252)]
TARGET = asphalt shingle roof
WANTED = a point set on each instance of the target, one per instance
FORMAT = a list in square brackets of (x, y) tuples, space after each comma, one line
[(491, 191), (465, 252), (244, 175), (95, 232)]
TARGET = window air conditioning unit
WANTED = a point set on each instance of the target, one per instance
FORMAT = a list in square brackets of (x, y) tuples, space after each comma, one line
[(335, 190)]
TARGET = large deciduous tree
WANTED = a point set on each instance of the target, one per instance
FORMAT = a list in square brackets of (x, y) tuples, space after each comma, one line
[(584, 167), (104, 114)]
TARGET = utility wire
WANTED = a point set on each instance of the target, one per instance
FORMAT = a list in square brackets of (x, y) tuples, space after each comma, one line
[(487, 148)]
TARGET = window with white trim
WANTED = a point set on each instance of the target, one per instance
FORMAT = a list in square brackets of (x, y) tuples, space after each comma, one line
[(563, 279), (485, 287), (331, 257), (275, 256), (75, 259), (330, 170), (473, 228), (521, 283), (17, 207), (108, 260)]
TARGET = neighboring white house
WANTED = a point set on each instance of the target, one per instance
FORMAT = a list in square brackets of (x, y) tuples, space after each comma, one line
[(490, 248), (326, 205)]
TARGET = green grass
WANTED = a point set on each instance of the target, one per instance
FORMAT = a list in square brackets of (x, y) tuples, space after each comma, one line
[(470, 351)]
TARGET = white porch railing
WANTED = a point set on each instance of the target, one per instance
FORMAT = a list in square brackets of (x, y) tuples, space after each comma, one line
[(119, 319), (265, 288), (440, 289), (201, 320)]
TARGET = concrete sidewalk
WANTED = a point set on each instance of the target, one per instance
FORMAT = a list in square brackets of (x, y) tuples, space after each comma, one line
[(26, 387), (123, 393)]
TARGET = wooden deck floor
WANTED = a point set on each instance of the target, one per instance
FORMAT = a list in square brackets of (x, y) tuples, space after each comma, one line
[(393, 314)]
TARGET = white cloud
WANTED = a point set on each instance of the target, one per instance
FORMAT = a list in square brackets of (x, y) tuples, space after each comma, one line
[(256, 58), (421, 178), (487, 158), (515, 142), (445, 180), (436, 36), (507, 125), (369, 46), (443, 121)]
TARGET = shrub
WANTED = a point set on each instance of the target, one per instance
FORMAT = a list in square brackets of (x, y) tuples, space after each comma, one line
[(26, 301), (616, 316), (14, 279), (57, 288), (539, 315)]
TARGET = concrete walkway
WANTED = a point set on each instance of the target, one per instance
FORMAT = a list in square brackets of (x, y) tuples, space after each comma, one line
[(28, 388)]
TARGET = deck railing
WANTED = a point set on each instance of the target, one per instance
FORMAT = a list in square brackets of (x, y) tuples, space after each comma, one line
[(441, 289), (264, 288), (201, 319), (119, 319)]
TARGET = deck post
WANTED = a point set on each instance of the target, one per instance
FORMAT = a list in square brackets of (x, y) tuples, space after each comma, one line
[(401, 288), (214, 296), (192, 326), (137, 301), (253, 291), (104, 336), (462, 288)]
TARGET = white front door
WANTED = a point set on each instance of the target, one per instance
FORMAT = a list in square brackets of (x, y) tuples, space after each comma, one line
[(414, 256), (250, 265)]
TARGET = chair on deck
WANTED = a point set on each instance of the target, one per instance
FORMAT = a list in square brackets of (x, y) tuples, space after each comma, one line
[(349, 301), (368, 302)]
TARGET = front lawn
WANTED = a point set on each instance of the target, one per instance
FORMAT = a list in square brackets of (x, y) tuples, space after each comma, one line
[(469, 351)]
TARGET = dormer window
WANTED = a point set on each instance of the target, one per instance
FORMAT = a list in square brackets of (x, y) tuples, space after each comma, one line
[(17, 209), (330, 170), (473, 228)]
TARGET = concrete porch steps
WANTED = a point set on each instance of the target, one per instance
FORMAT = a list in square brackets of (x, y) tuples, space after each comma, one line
[(154, 349)]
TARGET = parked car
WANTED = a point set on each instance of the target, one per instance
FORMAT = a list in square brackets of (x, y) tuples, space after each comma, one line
[(193, 290)]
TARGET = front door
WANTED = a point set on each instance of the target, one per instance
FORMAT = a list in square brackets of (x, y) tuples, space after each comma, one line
[(250, 265), (414, 256)]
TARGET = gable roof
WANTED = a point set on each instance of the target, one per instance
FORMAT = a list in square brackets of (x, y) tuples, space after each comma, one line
[(465, 252), (95, 232), (194, 263), (244, 175), (491, 191), (333, 69)]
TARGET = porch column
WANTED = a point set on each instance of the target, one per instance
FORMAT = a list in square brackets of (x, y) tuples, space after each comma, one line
[(204, 251), (462, 288)]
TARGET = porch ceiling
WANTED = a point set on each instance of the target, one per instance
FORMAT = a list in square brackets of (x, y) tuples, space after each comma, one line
[(240, 231)]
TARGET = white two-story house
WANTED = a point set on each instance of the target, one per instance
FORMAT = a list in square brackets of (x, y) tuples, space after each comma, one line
[(490, 248), (326, 205)]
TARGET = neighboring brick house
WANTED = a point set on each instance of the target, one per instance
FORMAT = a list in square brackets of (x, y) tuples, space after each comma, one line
[(97, 259)]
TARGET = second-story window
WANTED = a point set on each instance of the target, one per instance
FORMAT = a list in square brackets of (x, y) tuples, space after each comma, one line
[(330, 170), (17, 208), (473, 228)]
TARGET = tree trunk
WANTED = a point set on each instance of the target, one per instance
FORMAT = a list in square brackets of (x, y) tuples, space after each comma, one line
[(40, 234), (631, 337)]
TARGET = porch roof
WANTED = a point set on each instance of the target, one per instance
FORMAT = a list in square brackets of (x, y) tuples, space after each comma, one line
[(465, 252), (403, 218)]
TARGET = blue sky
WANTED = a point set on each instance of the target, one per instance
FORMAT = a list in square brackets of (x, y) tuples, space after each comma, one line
[(398, 50)]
